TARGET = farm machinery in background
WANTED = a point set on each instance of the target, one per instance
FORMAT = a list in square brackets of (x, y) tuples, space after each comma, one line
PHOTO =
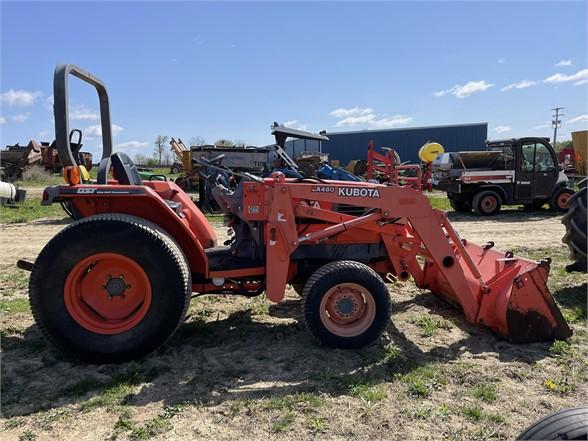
[(387, 167), (15, 159), (259, 161), (522, 171), (116, 284)]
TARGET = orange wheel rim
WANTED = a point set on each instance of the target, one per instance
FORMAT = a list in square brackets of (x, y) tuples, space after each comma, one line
[(107, 293), (562, 200), (347, 309), (489, 203)]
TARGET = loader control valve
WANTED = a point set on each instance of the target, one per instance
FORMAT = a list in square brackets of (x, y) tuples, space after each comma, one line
[(116, 287)]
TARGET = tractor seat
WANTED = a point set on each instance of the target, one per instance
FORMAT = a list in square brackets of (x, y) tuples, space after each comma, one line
[(123, 168)]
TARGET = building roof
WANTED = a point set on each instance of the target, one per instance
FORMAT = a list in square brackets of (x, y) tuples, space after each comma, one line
[(408, 128)]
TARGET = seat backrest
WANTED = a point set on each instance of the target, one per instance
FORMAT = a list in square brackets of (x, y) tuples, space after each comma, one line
[(125, 170)]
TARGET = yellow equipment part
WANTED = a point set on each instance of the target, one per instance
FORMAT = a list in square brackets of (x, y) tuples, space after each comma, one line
[(84, 173), (429, 151)]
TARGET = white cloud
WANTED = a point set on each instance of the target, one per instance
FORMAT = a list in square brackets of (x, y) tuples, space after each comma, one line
[(502, 129), (542, 126), (463, 91), (2, 120), (21, 117), (501, 60), (354, 111), (20, 98), (520, 85), (367, 117), (49, 101), (95, 131), (294, 124), (44, 134), (577, 119), (564, 63), (580, 77), (393, 121), (355, 120), (83, 113), (130, 145)]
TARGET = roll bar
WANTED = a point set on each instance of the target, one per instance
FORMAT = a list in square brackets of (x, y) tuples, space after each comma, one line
[(61, 113)]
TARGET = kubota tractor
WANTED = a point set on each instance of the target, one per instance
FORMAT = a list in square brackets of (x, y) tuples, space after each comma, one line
[(116, 284)]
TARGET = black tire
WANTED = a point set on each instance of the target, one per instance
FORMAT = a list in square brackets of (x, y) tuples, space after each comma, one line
[(149, 247), (460, 205), (487, 203), (340, 272), (555, 203), (174, 170), (571, 424), (575, 237)]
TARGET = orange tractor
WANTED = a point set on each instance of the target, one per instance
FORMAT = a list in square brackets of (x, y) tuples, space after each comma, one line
[(116, 284)]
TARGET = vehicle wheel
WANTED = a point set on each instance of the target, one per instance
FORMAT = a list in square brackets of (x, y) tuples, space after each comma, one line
[(460, 205), (559, 200), (535, 205), (565, 424), (346, 305), (487, 203), (110, 288), (575, 237), (175, 170)]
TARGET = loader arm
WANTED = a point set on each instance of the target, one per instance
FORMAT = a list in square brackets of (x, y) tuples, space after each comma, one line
[(505, 293)]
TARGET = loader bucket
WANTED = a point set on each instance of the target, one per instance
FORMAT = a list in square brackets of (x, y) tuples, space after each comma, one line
[(516, 302)]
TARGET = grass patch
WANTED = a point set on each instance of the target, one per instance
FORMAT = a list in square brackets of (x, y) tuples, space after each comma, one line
[(119, 390), (369, 393), (429, 325), (282, 423), (301, 401), (421, 381), (259, 306), (28, 211), (560, 348), (440, 203), (14, 306), (475, 413), (485, 392)]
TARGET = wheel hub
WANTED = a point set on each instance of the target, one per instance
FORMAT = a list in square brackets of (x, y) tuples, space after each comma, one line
[(347, 309), (346, 306), (90, 291), (116, 286)]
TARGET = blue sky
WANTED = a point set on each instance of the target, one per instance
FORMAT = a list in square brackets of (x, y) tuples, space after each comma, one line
[(228, 70)]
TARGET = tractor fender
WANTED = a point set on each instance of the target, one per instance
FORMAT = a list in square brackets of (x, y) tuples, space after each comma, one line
[(189, 229)]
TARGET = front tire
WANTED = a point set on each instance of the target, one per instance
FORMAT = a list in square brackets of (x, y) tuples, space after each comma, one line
[(560, 199), (487, 203), (110, 288), (460, 205), (346, 305)]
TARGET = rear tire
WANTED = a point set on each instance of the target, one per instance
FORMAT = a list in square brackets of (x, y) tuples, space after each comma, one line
[(560, 199), (76, 306), (566, 424), (487, 203), (575, 237), (346, 305)]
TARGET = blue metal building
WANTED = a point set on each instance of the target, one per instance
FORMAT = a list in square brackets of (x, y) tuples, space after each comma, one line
[(346, 146)]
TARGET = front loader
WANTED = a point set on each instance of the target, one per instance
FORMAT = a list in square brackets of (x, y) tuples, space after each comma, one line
[(116, 284)]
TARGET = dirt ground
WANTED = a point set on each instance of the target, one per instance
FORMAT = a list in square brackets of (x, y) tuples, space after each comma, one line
[(246, 369)]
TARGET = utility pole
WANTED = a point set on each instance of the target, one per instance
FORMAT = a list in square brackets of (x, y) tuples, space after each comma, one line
[(556, 123)]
